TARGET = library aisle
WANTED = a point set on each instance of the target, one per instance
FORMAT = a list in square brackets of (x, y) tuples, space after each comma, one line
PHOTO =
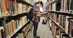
[(43, 31)]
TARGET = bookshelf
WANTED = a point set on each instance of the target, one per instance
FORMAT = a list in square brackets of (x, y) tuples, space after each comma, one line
[(59, 26), (19, 28), (17, 1), (13, 18), (28, 30), (59, 12), (23, 2), (56, 24)]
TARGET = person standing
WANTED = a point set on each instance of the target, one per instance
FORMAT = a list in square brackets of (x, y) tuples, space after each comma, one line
[(32, 16)]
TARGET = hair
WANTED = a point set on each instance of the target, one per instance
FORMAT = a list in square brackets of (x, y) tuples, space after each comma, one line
[(39, 2)]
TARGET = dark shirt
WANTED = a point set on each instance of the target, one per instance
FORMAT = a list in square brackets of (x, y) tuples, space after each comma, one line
[(32, 15)]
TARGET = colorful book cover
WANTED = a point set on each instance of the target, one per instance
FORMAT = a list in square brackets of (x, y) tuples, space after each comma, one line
[(3, 7), (15, 4), (0, 8), (54, 7), (19, 7), (7, 7), (12, 8), (6, 29), (67, 25), (24, 7)]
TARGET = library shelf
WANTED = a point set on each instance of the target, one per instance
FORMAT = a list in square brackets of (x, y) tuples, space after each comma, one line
[(28, 30), (61, 13), (17, 30), (57, 24), (10, 17), (23, 2), (19, 14), (60, 27), (25, 13)]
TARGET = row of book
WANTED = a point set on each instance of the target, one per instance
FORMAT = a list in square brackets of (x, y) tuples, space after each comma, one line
[(60, 32), (21, 35), (61, 5), (13, 7), (8, 7), (62, 21), (33, 1), (25, 33), (14, 25)]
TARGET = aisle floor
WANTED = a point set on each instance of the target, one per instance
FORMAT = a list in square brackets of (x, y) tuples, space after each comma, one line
[(43, 31)]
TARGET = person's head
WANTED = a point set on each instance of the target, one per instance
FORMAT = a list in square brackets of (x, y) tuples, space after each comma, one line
[(39, 4)]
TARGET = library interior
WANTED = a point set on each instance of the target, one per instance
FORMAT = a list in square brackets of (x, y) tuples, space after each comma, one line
[(36, 19)]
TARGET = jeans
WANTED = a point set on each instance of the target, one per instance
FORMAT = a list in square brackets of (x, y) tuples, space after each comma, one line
[(35, 24)]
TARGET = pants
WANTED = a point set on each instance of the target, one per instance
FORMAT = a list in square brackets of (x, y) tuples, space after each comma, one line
[(35, 24)]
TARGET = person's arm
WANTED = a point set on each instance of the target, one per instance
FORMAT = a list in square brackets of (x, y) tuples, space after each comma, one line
[(30, 14)]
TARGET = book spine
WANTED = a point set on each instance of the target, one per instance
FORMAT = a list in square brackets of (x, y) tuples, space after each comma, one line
[(19, 7), (3, 7), (0, 9)]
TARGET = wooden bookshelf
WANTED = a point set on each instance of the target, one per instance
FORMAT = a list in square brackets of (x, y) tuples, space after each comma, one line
[(9, 16), (19, 14), (59, 26), (19, 28), (28, 30), (56, 24), (24, 2), (61, 13), (19, 1)]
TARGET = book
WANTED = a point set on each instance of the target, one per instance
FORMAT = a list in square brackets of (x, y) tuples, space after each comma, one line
[(11, 27), (3, 7), (67, 24), (24, 8), (50, 7), (71, 28), (1, 32), (15, 4), (58, 5), (7, 7), (6, 29), (65, 5), (12, 8), (71, 5), (0, 9), (62, 5), (57, 31), (19, 7), (68, 6), (54, 7)]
